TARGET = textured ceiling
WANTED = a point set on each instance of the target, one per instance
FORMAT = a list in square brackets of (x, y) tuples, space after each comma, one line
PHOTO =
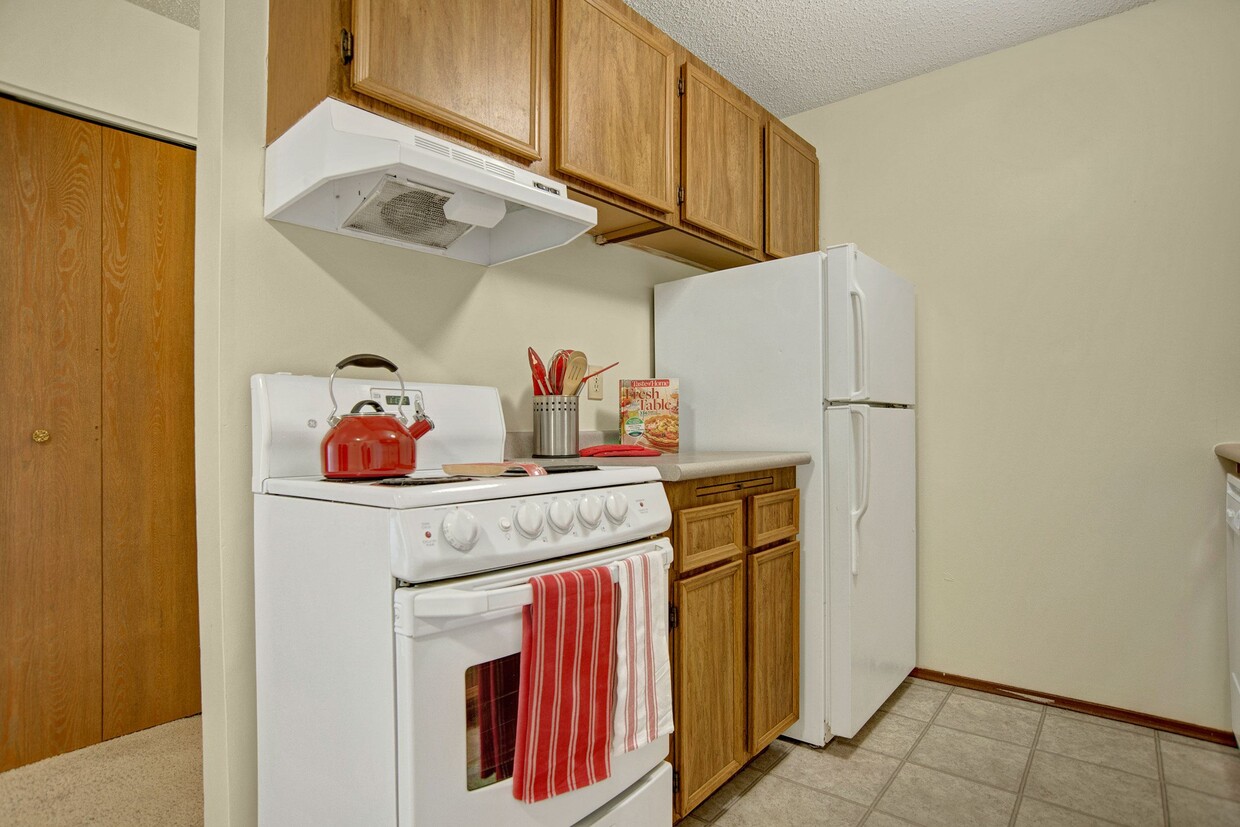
[(793, 55), (182, 11)]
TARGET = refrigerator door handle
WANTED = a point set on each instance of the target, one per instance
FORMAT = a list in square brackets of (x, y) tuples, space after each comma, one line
[(861, 473), (861, 342)]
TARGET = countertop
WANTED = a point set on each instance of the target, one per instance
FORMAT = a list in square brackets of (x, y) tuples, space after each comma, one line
[(695, 465), (1228, 450)]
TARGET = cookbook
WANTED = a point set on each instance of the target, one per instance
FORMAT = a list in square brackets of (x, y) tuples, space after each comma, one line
[(650, 414)]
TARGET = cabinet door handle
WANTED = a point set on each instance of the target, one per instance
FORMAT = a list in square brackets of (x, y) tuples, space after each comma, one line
[(41, 435)]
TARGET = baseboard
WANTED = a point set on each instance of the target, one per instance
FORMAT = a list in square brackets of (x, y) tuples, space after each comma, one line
[(1217, 736)]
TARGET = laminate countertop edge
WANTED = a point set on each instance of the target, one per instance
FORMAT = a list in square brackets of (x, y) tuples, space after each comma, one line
[(696, 464), (1228, 450)]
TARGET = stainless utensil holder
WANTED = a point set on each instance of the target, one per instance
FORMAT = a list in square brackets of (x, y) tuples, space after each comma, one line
[(555, 427)]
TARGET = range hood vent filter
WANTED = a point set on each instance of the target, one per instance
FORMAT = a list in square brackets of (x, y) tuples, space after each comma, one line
[(404, 211)]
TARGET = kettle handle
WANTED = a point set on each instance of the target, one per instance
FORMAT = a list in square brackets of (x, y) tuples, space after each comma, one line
[(365, 360)]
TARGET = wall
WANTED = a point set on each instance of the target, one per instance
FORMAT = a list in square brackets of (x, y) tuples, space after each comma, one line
[(272, 297), (105, 60), (1068, 209)]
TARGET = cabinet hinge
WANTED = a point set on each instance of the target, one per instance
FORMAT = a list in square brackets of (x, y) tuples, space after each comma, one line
[(680, 195), (673, 616), (680, 87), (346, 47), (675, 781)]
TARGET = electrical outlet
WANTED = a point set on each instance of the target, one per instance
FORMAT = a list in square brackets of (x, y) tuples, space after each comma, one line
[(594, 389)]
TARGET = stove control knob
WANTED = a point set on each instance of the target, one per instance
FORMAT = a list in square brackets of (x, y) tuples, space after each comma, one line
[(560, 515), (460, 529), (529, 520), (617, 507), (590, 511)]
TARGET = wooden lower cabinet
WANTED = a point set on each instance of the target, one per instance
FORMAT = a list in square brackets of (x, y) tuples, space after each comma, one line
[(736, 625), (710, 698)]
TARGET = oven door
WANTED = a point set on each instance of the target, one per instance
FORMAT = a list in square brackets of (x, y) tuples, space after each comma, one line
[(458, 646)]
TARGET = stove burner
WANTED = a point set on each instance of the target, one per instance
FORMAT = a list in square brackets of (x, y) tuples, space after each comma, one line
[(403, 481), (399, 481)]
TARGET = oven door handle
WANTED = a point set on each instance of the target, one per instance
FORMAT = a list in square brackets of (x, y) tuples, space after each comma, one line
[(445, 603), (466, 602)]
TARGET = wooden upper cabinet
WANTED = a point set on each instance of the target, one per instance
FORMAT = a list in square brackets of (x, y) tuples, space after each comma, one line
[(472, 65), (616, 82), (791, 192), (722, 158)]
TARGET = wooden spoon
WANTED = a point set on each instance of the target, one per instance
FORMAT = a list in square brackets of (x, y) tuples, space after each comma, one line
[(574, 372)]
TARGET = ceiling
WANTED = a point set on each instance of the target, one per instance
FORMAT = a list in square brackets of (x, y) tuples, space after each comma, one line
[(794, 55)]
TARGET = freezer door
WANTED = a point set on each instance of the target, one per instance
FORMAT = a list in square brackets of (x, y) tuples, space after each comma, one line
[(872, 559), (870, 331)]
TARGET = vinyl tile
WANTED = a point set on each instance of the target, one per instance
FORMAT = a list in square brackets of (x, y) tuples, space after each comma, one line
[(1201, 770), (1119, 749), (776, 801), (1094, 790), (934, 799), (722, 798), (888, 733), (772, 755), (1097, 720), (1198, 743), (996, 699), (1189, 807), (1005, 722), (992, 762), (858, 775), (877, 819), (1034, 813), (914, 701)]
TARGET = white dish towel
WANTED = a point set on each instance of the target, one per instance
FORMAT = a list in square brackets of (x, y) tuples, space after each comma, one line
[(643, 670)]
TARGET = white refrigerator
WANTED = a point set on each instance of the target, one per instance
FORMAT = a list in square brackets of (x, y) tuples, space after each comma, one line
[(816, 353)]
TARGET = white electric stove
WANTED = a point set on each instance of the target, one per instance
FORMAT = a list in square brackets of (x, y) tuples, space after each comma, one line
[(381, 605)]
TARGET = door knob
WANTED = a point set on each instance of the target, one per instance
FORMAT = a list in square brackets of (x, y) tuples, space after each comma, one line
[(40, 436)]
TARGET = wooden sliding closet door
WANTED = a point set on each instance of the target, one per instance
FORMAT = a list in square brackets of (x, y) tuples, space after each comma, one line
[(50, 635), (150, 581)]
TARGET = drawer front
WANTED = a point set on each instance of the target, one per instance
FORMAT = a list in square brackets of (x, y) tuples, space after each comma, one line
[(709, 534), (774, 517)]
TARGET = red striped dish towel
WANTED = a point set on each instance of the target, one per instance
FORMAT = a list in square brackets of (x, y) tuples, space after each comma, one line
[(567, 668), (643, 671)]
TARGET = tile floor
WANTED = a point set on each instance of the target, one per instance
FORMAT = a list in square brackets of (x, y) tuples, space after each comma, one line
[(938, 756)]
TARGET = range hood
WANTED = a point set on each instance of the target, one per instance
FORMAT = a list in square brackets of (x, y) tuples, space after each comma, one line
[(349, 171)]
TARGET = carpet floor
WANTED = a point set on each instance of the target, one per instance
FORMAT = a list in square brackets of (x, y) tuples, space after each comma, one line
[(153, 777)]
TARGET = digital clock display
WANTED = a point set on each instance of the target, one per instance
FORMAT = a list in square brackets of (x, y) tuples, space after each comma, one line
[(396, 400)]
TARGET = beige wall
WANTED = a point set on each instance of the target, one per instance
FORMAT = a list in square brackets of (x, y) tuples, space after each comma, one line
[(1070, 212), (103, 59), (273, 297)]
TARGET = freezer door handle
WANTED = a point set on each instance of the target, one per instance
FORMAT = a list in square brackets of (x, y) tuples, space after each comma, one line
[(861, 342), (861, 473)]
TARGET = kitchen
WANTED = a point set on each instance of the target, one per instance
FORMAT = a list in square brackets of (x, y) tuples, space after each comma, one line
[(1071, 532)]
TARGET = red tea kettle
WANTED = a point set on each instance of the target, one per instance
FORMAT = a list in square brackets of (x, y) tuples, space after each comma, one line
[(371, 444)]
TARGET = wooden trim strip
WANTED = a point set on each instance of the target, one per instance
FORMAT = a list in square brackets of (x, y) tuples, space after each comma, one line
[(1114, 713)]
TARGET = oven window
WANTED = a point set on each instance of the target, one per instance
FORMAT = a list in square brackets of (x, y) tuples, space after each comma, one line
[(491, 720)]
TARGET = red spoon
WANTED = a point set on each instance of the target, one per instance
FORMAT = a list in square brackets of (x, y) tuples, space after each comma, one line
[(539, 373)]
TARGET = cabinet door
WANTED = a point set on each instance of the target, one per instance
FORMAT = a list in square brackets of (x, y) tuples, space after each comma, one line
[(722, 163), (472, 65), (616, 82), (774, 642), (50, 640), (791, 192), (150, 559), (773, 517), (709, 679), (709, 534)]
